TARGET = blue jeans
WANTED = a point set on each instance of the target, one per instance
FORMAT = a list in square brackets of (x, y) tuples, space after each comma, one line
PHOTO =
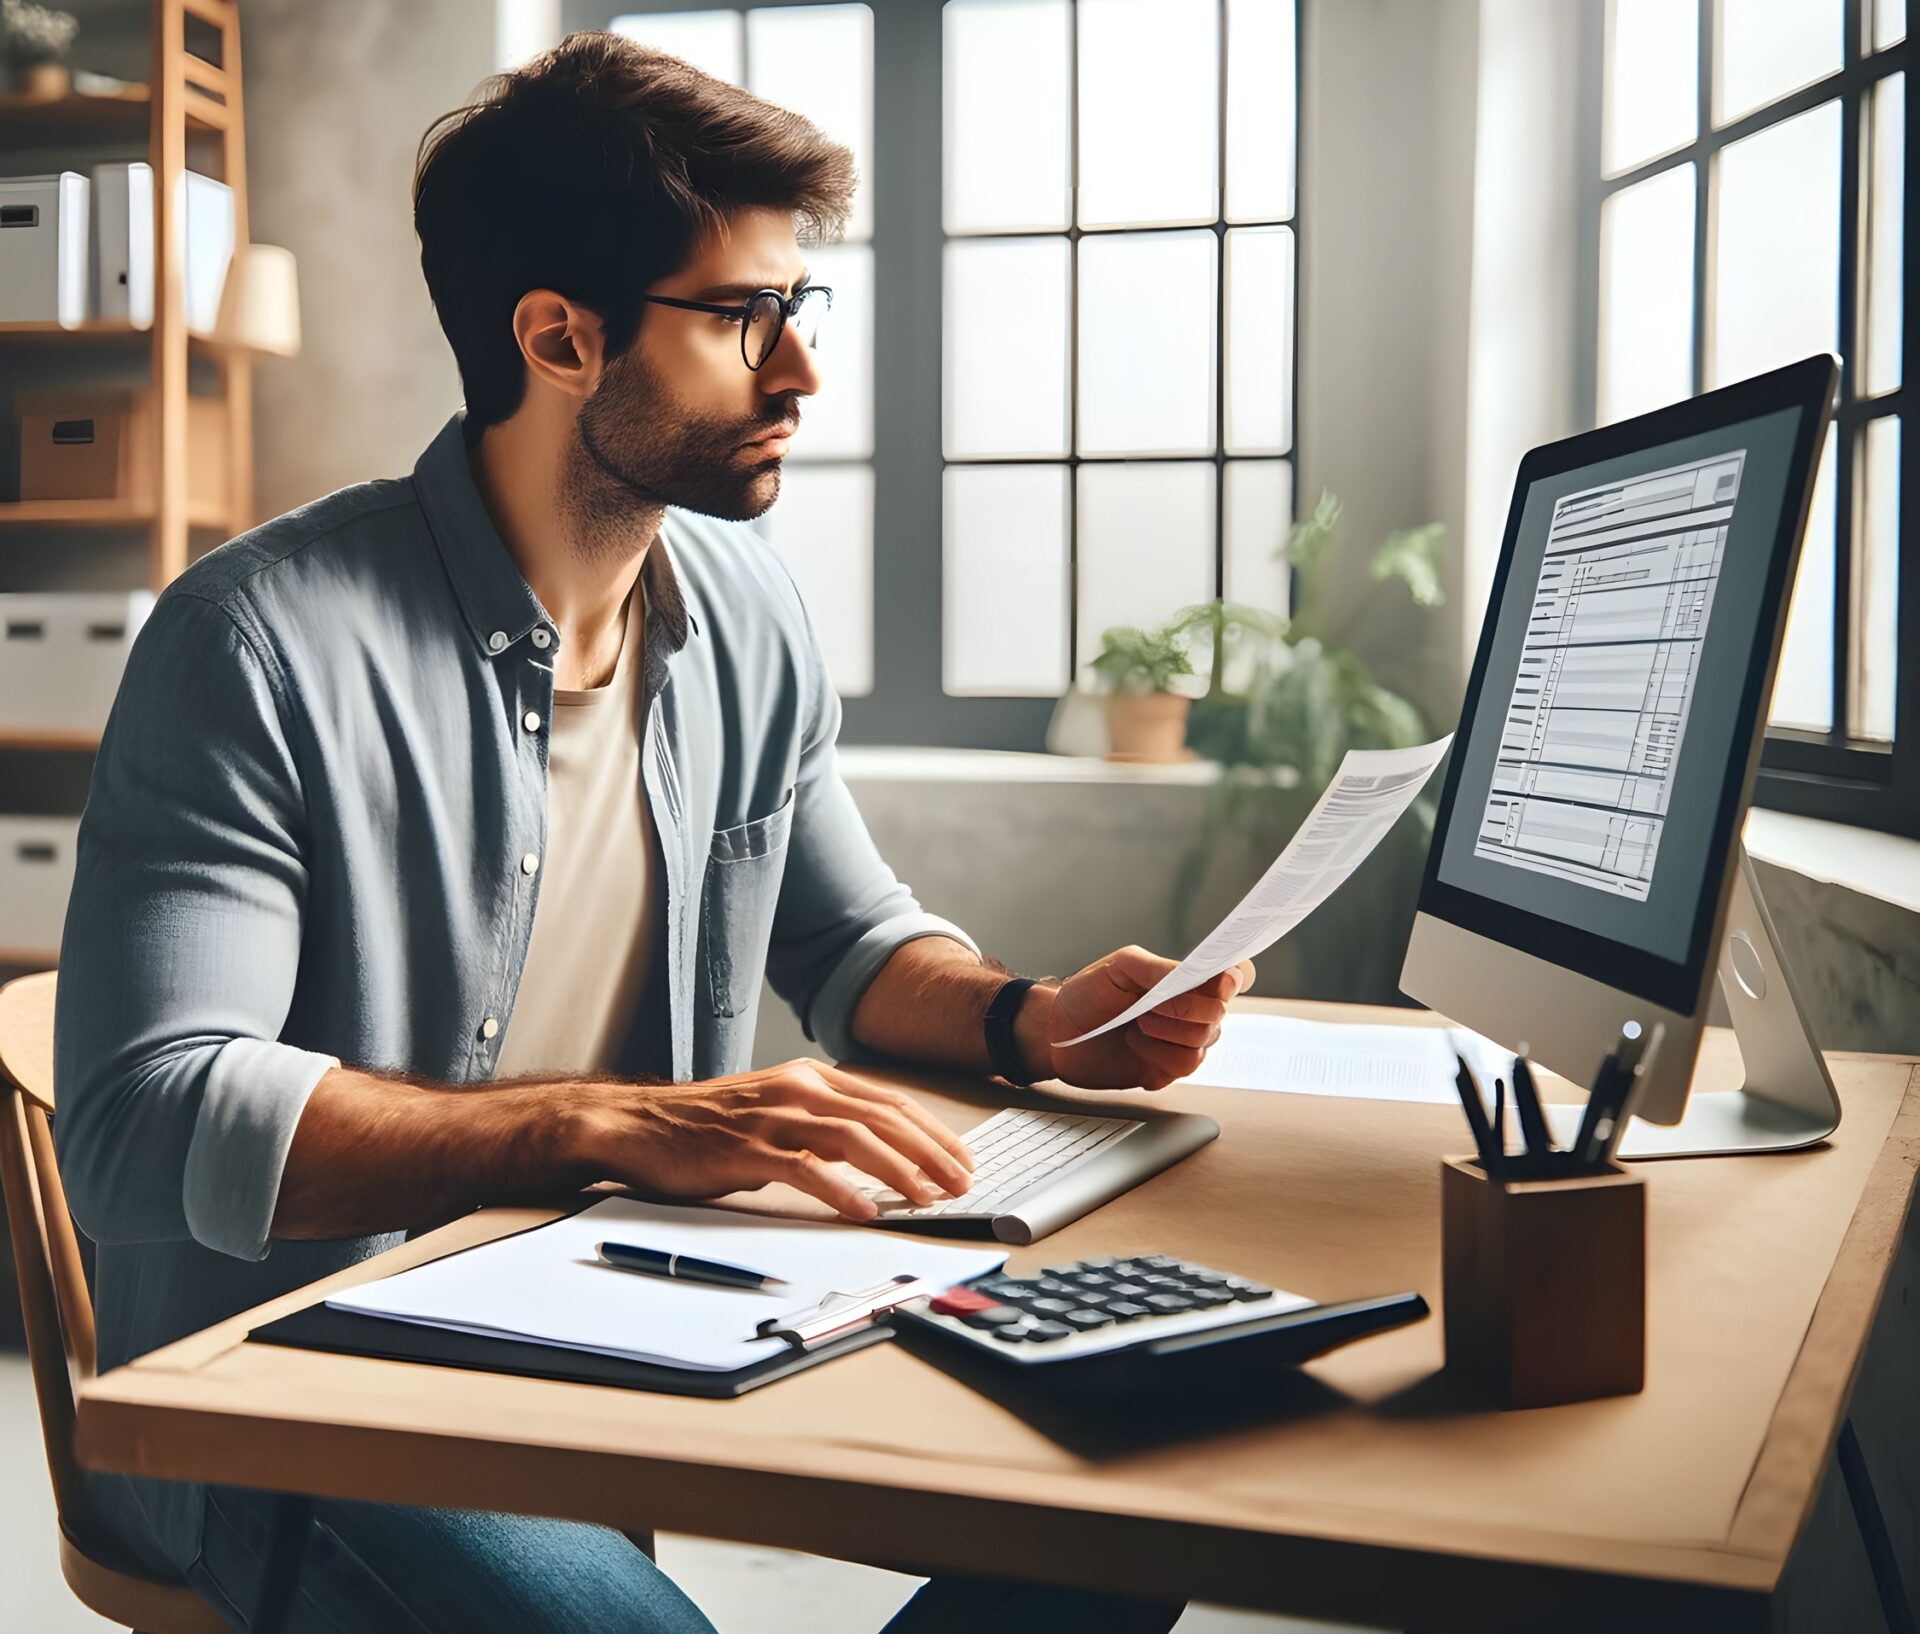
[(381, 1569)]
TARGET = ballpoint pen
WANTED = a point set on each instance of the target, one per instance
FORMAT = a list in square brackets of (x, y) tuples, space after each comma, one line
[(1604, 1099), (1476, 1109), (1533, 1122), (1633, 1074), (658, 1262)]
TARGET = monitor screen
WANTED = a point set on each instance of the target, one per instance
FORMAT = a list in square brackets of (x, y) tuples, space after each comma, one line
[(1609, 725)]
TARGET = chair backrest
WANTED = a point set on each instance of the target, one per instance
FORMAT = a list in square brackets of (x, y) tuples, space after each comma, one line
[(46, 1253)]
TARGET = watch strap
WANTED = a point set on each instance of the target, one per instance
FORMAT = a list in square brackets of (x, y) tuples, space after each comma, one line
[(1003, 1049)]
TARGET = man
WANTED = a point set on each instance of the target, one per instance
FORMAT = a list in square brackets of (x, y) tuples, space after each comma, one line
[(445, 828)]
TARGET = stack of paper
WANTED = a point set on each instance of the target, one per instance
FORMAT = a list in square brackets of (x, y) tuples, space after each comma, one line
[(549, 1287), (1353, 1061)]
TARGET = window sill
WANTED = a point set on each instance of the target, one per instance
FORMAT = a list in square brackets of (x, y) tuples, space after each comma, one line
[(1886, 866), (868, 763)]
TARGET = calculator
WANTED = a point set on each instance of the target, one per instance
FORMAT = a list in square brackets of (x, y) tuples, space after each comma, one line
[(1143, 1320)]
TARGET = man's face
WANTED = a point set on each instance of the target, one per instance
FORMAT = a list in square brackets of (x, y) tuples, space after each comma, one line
[(679, 418)]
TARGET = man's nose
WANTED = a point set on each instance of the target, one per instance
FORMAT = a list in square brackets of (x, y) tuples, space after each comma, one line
[(793, 367)]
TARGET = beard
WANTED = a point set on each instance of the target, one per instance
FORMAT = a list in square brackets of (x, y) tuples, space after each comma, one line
[(637, 446)]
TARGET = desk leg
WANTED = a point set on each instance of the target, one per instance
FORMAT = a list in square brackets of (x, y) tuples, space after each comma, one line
[(1881, 1554)]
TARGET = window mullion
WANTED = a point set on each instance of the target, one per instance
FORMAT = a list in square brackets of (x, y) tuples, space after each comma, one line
[(1703, 197), (1853, 106)]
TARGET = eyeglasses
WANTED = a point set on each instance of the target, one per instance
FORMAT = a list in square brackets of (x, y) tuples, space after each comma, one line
[(764, 316)]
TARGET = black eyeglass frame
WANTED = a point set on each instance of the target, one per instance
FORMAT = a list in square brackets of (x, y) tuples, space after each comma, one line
[(786, 305)]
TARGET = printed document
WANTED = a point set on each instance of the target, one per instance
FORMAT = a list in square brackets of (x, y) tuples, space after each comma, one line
[(1365, 799)]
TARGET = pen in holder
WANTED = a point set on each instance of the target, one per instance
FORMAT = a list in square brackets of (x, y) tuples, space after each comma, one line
[(1545, 1283)]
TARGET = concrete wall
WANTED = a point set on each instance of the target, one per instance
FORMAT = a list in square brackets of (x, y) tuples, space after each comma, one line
[(338, 96)]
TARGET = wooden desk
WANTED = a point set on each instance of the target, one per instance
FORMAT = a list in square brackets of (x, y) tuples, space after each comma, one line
[(1365, 1491)]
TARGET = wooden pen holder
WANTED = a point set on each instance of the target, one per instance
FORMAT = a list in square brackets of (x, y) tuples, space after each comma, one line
[(1544, 1284)]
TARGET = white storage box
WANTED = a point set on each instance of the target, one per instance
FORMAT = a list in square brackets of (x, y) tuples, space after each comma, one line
[(206, 228), (123, 243), (44, 272), (36, 878), (61, 657)]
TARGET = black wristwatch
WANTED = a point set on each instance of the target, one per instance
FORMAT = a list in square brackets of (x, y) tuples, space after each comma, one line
[(1003, 1050)]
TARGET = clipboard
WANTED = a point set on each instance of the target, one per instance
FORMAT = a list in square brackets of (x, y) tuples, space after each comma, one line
[(349, 1334)]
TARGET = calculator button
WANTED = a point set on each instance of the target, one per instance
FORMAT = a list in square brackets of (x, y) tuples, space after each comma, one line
[(1049, 1330), (1166, 1303), (1048, 1307), (1241, 1289), (995, 1316), (1124, 1310), (1208, 1299), (959, 1302), (1127, 1290), (1085, 1320), (1055, 1286), (1012, 1335)]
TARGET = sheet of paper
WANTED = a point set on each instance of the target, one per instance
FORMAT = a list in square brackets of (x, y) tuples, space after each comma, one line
[(1365, 799), (1293, 1056), (548, 1285)]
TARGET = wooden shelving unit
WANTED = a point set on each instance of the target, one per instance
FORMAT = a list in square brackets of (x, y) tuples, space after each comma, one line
[(190, 94)]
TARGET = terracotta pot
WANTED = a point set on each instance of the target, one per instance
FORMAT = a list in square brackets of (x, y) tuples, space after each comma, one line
[(1148, 726), (48, 81)]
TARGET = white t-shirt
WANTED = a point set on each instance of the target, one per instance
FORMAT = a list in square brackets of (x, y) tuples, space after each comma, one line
[(594, 920)]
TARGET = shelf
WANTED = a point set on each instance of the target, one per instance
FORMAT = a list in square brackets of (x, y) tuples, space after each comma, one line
[(102, 513), (123, 116), (103, 330), (19, 958), (68, 739)]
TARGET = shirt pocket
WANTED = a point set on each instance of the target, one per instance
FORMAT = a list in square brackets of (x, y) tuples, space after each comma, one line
[(744, 868)]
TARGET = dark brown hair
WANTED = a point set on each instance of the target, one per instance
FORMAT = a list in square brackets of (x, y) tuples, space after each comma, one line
[(592, 171)]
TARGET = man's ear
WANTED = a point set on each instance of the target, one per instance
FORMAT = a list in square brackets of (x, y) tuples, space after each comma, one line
[(562, 342)]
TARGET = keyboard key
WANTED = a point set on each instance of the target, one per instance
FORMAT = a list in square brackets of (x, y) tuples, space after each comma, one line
[(1166, 1303), (1048, 1307), (1125, 1310), (1049, 1330), (1012, 1335), (1127, 1290), (1207, 1299), (995, 1316), (1243, 1290), (1085, 1320)]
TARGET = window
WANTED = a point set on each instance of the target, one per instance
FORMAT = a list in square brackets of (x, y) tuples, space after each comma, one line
[(817, 60), (1078, 416), (1118, 315), (1750, 208)]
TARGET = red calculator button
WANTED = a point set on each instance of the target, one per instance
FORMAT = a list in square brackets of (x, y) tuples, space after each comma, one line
[(960, 1302)]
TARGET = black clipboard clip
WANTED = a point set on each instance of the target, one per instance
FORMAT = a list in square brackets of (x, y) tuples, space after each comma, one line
[(839, 1313)]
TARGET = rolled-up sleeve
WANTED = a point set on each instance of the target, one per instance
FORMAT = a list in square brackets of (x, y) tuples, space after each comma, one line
[(841, 912), (176, 1100)]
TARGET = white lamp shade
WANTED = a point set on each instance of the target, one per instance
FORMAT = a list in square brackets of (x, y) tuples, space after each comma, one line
[(260, 303)]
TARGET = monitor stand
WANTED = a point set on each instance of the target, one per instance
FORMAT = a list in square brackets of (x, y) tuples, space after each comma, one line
[(1788, 1100)]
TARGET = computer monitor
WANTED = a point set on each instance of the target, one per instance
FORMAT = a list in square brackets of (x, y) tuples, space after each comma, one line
[(1586, 866)]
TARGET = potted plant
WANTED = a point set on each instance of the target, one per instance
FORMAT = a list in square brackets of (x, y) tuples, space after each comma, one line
[(37, 40), (1146, 719)]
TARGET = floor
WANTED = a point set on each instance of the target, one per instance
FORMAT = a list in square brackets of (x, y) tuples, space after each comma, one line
[(736, 1586)]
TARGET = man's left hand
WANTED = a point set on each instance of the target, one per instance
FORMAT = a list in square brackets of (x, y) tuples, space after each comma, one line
[(1151, 1051)]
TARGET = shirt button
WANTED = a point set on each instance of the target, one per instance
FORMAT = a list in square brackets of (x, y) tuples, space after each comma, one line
[(489, 1027), (497, 642), (531, 720), (541, 638), (529, 863)]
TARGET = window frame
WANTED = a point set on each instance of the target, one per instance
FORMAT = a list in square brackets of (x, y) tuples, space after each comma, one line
[(908, 703), (1832, 774)]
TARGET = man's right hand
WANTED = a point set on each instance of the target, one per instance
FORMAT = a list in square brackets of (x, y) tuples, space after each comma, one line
[(794, 1122)]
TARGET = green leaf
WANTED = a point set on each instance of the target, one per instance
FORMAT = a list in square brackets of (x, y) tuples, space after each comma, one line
[(1413, 556), (1307, 539)]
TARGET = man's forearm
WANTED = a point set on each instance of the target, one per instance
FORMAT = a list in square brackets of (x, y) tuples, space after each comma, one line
[(373, 1154), (929, 1003)]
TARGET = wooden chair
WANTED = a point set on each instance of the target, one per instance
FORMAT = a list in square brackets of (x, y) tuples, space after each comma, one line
[(59, 1320)]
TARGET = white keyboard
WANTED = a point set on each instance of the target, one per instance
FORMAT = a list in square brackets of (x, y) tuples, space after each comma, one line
[(1013, 1151)]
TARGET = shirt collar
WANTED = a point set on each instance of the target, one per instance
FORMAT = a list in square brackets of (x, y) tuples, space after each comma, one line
[(500, 608)]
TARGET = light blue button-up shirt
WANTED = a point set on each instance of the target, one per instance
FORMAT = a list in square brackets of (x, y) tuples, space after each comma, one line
[(304, 843)]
